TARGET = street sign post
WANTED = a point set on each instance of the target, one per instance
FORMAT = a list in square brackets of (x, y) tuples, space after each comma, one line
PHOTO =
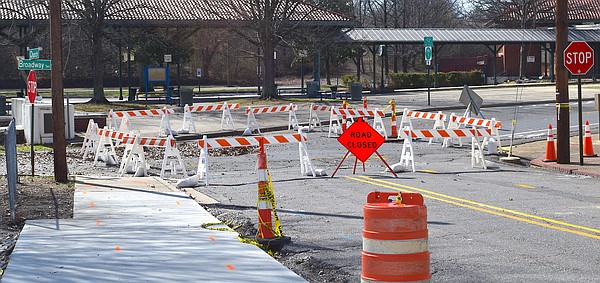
[(38, 65), (31, 94), (198, 75), (361, 140), (428, 42), (579, 59)]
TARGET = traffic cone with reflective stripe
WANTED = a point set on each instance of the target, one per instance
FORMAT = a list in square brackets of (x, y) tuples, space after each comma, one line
[(269, 234), (550, 150), (588, 145)]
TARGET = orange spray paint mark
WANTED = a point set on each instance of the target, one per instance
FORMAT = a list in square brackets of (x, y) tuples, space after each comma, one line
[(212, 238), (118, 248), (92, 204), (230, 267)]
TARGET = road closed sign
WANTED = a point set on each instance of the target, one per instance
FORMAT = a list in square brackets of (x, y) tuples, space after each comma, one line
[(361, 140), (579, 57)]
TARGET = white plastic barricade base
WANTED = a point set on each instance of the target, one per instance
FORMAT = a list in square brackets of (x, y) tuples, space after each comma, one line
[(125, 126), (439, 124), (407, 157), (452, 125), (134, 160), (306, 166), (202, 171), (335, 127), (105, 150), (252, 125), (165, 124), (313, 120), (91, 139), (168, 164), (188, 122), (226, 118), (378, 125), (477, 153), (292, 120)]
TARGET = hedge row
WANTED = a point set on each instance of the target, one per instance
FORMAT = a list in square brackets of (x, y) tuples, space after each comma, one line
[(418, 80)]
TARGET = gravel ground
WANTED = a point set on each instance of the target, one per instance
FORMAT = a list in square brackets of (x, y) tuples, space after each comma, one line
[(42, 198)]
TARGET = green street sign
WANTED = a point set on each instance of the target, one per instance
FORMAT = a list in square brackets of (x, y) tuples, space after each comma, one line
[(34, 53), (428, 53), (428, 41), (28, 64)]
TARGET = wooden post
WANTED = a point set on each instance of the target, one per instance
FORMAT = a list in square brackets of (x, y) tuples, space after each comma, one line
[(58, 111)]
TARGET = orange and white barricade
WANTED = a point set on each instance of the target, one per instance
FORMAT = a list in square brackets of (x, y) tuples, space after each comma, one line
[(134, 159), (113, 115), (335, 127), (377, 114), (226, 118), (456, 121), (252, 124), (91, 139), (313, 117), (476, 147), (407, 115), (205, 144), (105, 151)]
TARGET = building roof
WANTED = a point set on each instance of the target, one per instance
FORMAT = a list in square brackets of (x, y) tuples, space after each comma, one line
[(543, 11), (164, 13), (463, 36)]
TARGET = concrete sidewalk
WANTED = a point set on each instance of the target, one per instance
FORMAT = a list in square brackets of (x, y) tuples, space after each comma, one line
[(132, 230)]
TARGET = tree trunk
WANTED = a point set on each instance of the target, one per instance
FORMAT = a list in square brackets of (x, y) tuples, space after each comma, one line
[(98, 69), (328, 70), (269, 90)]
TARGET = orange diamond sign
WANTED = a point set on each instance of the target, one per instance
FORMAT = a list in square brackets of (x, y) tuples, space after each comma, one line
[(361, 140)]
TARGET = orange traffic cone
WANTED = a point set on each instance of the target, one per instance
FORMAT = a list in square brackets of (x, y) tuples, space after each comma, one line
[(394, 124), (588, 146), (271, 238), (550, 150)]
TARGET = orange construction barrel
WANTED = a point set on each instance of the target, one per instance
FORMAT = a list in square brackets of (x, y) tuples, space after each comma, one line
[(395, 238)]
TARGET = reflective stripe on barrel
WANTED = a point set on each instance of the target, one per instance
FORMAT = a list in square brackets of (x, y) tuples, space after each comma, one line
[(395, 239)]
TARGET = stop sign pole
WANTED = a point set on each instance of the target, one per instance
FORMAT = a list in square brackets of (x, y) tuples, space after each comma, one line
[(579, 59), (31, 94)]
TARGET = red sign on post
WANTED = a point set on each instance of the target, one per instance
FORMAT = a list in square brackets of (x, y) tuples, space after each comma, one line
[(361, 140), (579, 57), (31, 87)]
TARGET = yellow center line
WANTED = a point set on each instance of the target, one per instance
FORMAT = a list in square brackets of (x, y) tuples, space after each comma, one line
[(520, 216), (525, 186), (428, 171)]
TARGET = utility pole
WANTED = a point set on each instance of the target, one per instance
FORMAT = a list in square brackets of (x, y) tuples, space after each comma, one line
[(58, 103), (563, 154)]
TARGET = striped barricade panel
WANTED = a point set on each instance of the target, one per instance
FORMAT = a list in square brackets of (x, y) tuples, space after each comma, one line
[(441, 133), (475, 122), (426, 115), (324, 108), (271, 109), (149, 142), (252, 141), (139, 113), (360, 112), (211, 107), (115, 135)]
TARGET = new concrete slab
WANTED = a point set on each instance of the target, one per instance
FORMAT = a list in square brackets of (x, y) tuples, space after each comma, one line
[(131, 235)]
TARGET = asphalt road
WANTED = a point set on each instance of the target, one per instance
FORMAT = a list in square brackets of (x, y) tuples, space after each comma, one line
[(505, 224)]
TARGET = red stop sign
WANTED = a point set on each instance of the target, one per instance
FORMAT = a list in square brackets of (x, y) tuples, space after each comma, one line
[(361, 139), (31, 87), (579, 57)]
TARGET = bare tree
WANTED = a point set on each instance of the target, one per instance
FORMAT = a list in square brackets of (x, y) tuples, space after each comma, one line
[(265, 24), (93, 15)]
